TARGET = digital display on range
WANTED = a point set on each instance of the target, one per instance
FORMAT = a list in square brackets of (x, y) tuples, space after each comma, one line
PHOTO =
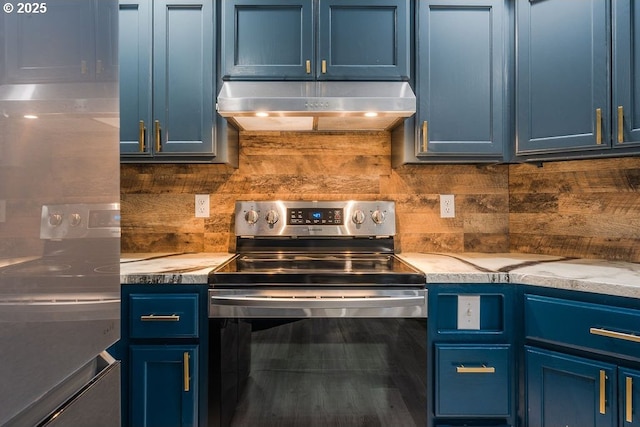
[(315, 216), (104, 218)]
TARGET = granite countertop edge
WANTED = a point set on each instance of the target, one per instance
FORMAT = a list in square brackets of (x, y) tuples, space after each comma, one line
[(578, 274)]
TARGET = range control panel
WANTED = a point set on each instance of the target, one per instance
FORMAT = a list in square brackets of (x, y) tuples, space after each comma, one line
[(321, 218), (318, 216)]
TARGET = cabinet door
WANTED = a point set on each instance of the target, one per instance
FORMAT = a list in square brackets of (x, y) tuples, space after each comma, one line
[(135, 70), (51, 44), (364, 39), (629, 392), (163, 385), (183, 77), (267, 40), (461, 59), (626, 74), (564, 390), (562, 76)]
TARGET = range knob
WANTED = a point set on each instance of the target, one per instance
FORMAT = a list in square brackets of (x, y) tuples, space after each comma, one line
[(75, 220), (55, 219), (377, 216), (272, 217), (358, 217), (251, 217)]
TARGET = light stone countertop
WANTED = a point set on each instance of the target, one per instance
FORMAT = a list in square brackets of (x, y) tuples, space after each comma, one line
[(589, 275)]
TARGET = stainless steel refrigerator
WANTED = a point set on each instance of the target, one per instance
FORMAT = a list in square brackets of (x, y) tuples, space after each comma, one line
[(59, 213)]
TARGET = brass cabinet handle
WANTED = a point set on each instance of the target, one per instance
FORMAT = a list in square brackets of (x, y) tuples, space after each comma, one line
[(614, 334), (603, 382), (475, 370), (160, 318), (598, 126), (324, 66), (156, 130), (187, 378), (620, 124), (308, 66), (425, 137), (628, 407), (141, 133)]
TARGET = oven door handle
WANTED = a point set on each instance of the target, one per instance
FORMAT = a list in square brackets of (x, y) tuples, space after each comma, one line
[(318, 302)]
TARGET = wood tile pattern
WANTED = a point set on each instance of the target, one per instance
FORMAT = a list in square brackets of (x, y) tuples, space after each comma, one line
[(587, 208), (158, 200)]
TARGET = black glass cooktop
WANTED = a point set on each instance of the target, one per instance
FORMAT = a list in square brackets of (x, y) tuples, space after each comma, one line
[(317, 269)]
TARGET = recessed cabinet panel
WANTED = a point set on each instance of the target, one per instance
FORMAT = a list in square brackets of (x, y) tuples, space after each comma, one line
[(183, 75), (626, 77), (364, 39), (473, 380), (565, 390), (461, 84), (135, 62), (267, 39), (562, 74), (164, 386), (316, 40)]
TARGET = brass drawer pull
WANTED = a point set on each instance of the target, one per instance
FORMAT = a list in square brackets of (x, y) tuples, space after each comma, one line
[(157, 130), (620, 124), (141, 133), (160, 318), (613, 334), (187, 377), (324, 66), (475, 370), (425, 136), (628, 409), (603, 382), (308, 64), (598, 126)]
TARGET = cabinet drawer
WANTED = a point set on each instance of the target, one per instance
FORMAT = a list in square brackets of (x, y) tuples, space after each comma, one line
[(473, 380), (164, 315), (595, 327)]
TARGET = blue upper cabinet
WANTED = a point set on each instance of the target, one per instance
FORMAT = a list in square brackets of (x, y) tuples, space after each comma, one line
[(364, 40), (316, 39), (167, 80), (267, 40), (577, 92), (626, 80), (462, 81), (76, 57)]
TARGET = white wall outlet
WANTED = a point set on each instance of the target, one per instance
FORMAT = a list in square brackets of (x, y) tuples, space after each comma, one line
[(469, 312), (202, 206), (447, 206), (3, 210)]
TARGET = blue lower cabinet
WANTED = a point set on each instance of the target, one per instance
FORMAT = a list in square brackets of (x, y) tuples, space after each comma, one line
[(629, 390), (566, 390), (473, 380), (164, 386)]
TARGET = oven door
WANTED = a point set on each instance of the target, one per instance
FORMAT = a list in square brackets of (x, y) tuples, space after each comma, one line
[(319, 302), (317, 357)]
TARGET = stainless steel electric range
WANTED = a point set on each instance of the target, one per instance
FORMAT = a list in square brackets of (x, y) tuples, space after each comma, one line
[(316, 320)]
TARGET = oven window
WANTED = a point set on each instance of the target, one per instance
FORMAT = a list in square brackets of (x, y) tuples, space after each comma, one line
[(319, 372)]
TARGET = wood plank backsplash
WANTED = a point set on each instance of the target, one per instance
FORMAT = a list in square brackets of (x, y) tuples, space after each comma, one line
[(158, 200), (586, 208)]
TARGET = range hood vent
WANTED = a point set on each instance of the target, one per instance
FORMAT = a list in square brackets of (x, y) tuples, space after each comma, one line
[(316, 106)]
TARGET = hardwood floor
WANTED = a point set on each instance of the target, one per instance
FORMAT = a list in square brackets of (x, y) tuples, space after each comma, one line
[(336, 372)]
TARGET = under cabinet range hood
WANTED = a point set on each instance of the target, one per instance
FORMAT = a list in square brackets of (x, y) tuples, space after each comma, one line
[(316, 106)]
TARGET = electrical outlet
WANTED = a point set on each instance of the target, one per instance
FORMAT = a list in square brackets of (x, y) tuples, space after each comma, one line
[(469, 312), (447, 206), (202, 206)]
